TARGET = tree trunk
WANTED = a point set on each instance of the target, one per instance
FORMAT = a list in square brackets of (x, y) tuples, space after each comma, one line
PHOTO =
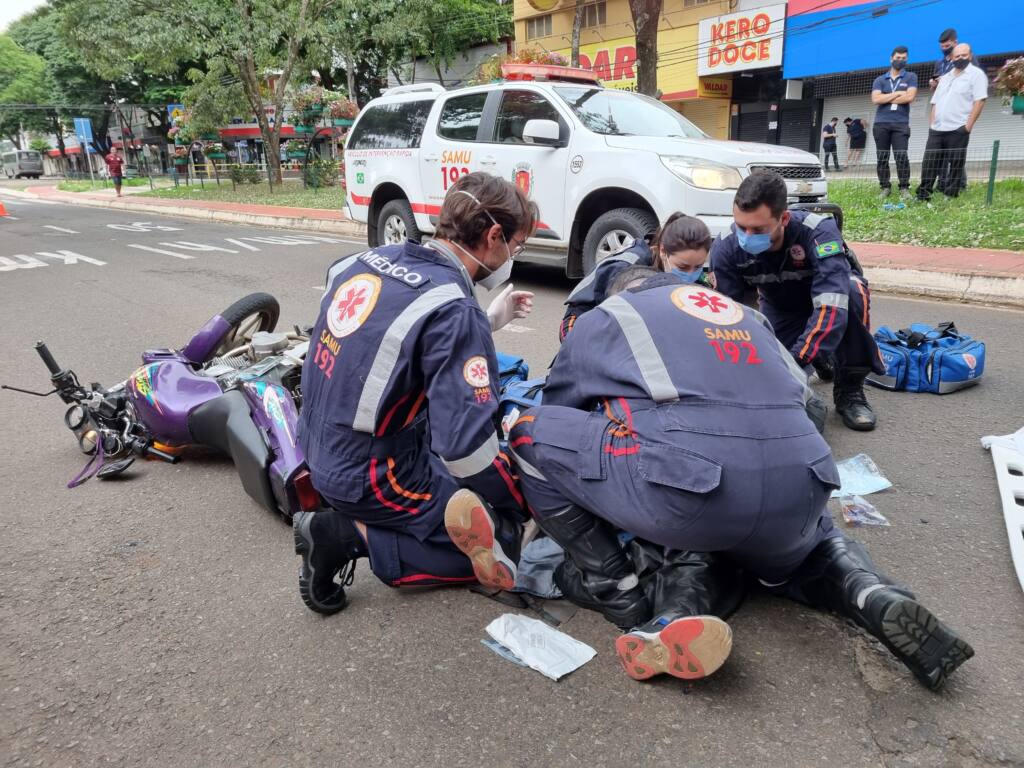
[(646, 16), (577, 25), (350, 74), (440, 77)]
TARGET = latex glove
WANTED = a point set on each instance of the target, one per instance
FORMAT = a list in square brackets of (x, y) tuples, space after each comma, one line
[(509, 305)]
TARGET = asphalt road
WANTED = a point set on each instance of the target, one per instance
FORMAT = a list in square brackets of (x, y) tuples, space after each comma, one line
[(155, 620)]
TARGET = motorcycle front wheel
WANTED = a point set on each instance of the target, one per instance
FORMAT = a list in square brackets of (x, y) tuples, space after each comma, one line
[(250, 314)]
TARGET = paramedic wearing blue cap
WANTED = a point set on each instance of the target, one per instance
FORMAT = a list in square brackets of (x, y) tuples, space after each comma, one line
[(673, 413), (813, 293), (399, 402)]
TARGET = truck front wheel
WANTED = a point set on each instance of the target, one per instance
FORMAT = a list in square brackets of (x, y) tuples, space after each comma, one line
[(396, 223), (613, 231)]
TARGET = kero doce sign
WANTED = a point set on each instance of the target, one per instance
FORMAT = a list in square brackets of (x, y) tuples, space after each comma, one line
[(740, 41)]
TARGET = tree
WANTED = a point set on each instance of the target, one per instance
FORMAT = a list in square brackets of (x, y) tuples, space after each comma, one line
[(22, 90), (646, 16), (39, 144), (577, 26), (253, 38)]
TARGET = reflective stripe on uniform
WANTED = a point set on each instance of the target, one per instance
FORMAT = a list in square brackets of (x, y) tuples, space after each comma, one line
[(628, 258), (526, 467), (812, 220), (840, 300), (641, 344), (476, 462), (337, 269), (781, 277), (391, 347), (791, 364)]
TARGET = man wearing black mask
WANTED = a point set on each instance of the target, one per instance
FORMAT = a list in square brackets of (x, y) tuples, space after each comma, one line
[(947, 42), (893, 92), (956, 106)]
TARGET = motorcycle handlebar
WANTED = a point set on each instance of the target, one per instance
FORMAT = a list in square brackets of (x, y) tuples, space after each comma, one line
[(48, 360)]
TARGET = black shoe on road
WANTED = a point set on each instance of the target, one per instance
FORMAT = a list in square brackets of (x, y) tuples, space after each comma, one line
[(927, 647), (851, 402), (329, 545)]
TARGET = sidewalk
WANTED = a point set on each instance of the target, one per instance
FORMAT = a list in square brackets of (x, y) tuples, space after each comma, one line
[(975, 275)]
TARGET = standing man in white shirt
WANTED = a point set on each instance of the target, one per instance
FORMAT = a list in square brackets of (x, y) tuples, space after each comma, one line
[(956, 106)]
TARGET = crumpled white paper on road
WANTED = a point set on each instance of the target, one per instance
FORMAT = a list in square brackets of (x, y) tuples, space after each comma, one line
[(552, 653)]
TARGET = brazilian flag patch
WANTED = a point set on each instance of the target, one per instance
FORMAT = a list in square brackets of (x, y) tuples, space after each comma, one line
[(830, 248)]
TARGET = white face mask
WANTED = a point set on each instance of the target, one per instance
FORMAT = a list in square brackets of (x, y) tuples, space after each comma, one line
[(495, 277)]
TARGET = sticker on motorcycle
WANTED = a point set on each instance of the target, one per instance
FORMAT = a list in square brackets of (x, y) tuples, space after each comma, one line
[(142, 382), (708, 306), (352, 304), (475, 372)]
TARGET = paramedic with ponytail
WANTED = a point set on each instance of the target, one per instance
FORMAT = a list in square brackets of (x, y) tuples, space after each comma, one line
[(400, 393), (680, 246)]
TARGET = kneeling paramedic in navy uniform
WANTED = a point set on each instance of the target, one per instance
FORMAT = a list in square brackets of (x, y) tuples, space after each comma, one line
[(679, 246), (687, 429), (399, 401), (808, 286)]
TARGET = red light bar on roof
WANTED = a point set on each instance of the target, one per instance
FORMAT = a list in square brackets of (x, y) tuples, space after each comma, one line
[(548, 72)]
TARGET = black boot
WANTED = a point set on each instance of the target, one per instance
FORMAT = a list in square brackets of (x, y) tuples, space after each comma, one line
[(598, 574), (329, 544), (490, 541), (851, 402), (839, 574), (825, 368)]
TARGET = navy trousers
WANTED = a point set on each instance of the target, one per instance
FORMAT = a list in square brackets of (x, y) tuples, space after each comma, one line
[(749, 484)]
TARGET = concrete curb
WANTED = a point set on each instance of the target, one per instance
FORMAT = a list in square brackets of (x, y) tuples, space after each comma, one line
[(964, 287)]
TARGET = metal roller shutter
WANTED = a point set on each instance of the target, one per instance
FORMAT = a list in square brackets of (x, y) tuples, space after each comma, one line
[(995, 122)]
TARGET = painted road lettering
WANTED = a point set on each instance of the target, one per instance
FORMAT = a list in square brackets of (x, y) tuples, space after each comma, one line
[(21, 261), (144, 226), (161, 250), (190, 246)]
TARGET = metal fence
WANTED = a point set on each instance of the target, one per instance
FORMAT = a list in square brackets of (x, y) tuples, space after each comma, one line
[(982, 164)]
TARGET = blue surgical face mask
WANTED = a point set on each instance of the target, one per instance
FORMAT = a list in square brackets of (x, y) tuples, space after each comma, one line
[(688, 277), (753, 244)]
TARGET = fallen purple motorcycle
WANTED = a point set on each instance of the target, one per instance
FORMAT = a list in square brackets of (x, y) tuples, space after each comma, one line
[(234, 387)]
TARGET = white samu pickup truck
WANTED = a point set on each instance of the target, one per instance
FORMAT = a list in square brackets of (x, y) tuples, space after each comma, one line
[(604, 166)]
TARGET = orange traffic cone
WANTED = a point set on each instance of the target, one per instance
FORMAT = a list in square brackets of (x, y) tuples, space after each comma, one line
[(3, 211)]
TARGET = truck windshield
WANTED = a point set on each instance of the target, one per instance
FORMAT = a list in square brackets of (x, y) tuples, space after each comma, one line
[(621, 113)]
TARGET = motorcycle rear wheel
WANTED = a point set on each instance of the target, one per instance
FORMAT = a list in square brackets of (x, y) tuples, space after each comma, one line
[(250, 314)]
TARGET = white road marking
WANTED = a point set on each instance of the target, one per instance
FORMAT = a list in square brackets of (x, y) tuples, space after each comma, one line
[(60, 229), (190, 246), (240, 244), (70, 257), (144, 226), (511, 328), (7, 263), (160, 250), (12, 218)]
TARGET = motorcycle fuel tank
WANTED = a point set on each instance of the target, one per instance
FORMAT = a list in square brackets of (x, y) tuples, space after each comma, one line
[(164, 393)]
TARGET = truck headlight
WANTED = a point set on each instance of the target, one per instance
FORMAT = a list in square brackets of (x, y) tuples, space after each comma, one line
[(703, 174)]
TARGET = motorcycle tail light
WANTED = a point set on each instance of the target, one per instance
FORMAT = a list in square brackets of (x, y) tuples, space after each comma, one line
[(309, 498)]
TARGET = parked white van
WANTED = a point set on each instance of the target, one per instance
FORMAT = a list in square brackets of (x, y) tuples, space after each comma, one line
[(22, 162), (604, 166)]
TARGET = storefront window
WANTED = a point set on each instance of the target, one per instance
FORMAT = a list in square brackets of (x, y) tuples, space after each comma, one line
[(614, 113)]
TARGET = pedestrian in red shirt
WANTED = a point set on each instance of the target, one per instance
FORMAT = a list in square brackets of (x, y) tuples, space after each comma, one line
[(114, 167)]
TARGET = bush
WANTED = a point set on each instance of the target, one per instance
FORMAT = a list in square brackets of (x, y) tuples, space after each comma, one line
[(322, 172), (244, 174)]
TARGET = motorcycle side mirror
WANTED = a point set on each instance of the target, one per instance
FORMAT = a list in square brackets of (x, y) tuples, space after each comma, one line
[(115, 468)]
